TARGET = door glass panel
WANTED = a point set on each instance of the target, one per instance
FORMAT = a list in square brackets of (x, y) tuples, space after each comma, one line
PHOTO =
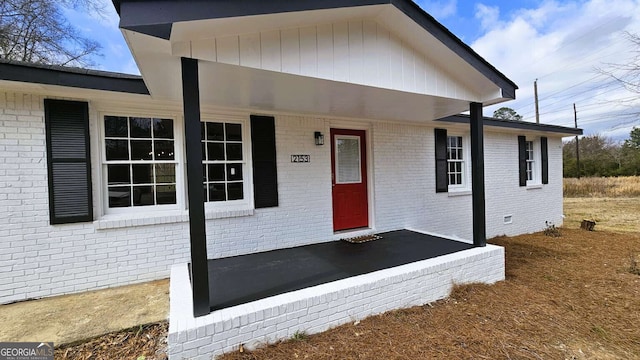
[(348, 160)]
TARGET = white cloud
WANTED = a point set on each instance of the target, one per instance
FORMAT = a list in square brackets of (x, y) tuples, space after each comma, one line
[(562, 44), (489, 16), (439, 9)]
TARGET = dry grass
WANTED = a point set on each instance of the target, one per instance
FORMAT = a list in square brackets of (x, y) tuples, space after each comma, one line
[(610, 214), (570, 297), (146, 342), (628, 186)]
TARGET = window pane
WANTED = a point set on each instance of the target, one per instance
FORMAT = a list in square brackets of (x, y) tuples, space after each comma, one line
[(164, 150), (117, 149), (215, 131), (459, 141), (118, 174), (234, 151), (141, 150), (234, 132), (203, 131), (235, 191), (115, 126), (216, 172), (215, 151), (142, 174), (217, 192), (119, 196), (204, 151), (165, 173), (452, 179), (165, 194), (163, 128), (234, 172), (459, 154), (458, 179), (140, 127), (348, 160), (449, 154), (459, 167), (143, 195)]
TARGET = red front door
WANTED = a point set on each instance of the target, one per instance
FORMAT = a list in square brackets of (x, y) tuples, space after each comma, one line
[(349, 179)]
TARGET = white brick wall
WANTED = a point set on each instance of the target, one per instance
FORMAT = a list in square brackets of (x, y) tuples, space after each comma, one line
[(321, 307), (37, 259)]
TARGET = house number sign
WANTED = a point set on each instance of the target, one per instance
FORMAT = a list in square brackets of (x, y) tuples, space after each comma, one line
[(300, 158)]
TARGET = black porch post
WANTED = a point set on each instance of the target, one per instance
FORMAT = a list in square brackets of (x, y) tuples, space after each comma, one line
[(197, 232), (477, 175)]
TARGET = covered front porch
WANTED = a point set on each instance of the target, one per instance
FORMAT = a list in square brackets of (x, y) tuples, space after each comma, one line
[(242, 279), (265, 297)]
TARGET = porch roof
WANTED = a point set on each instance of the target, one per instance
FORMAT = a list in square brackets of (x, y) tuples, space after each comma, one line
[(515, 125), (310, 56), (255, 276)]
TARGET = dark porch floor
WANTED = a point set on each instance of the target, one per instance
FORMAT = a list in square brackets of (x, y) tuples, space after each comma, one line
[(241, 279)]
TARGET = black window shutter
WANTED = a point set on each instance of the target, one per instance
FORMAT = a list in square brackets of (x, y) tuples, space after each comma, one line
[(263, 150), (522, 157), (68, 161), (545, 160), (442, 180)]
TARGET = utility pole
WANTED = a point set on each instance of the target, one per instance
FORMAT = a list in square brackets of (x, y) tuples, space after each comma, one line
[(575, 120), (535, 90)]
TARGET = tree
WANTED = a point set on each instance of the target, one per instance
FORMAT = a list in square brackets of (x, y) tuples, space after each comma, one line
[(598, 157), (36, 31), (627, 74), (507, 113), (634, 139)]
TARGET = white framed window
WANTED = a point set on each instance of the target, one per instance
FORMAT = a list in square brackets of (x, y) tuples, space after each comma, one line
[(348, 168), (226, 162), (531, 161), (139, 163), (457, 163)]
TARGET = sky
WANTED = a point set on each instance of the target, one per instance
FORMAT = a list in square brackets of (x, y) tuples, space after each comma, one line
[(564, 44)]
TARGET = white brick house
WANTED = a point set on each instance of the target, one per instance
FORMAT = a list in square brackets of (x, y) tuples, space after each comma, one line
[(93, 165)]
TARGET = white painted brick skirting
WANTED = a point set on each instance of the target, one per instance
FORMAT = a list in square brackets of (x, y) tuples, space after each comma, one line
[(321, 307)]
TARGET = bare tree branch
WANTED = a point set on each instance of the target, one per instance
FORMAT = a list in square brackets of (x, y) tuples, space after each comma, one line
[(37, 31)]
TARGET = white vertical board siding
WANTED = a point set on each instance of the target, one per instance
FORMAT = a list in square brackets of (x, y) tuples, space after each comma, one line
[(250, 50), (369, 53), (356, 44), (227, 49), (271, 51), (309, 51), (341, 51), (291, 47), (325, 51), (357, 51)]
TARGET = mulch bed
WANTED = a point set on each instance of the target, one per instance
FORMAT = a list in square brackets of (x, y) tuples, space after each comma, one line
[(568, 297)]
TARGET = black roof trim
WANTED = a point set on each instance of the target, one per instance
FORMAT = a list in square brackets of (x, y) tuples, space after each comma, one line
[(71, 77), (137, 17), (520, 125)]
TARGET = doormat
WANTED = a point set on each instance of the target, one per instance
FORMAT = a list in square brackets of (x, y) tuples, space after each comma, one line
[(362, 239)]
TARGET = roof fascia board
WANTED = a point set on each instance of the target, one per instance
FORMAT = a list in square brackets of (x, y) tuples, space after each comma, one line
[(518, 125), (134, 15), (54, 75)]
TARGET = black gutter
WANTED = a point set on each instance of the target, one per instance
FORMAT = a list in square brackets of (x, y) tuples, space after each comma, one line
[(71, 77), (137, 17), (520, 125)]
